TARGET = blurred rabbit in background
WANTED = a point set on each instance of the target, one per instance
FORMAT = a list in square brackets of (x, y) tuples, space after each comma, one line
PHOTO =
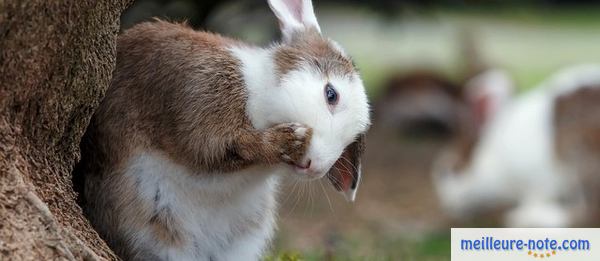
[(535, 153), (422, 104)]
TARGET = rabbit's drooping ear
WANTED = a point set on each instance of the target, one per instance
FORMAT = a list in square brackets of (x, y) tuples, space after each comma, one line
[(487, 93), (294, 16), (346, 172)]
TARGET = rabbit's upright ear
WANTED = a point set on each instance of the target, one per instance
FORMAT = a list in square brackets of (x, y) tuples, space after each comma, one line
[(487, 93), (294, 16)]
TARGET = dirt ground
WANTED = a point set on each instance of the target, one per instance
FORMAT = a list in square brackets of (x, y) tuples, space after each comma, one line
[(395, 200)]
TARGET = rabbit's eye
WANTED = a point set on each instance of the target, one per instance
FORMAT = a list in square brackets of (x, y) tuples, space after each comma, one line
[(330, 94)]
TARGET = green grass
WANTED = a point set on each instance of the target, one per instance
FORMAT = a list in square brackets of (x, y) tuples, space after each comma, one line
[(431, 247)]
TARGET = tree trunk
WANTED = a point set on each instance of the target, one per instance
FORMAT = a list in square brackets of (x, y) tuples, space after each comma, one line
[(56, 61)]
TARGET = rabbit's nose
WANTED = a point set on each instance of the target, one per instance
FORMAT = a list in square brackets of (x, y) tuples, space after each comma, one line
[(304, 165)]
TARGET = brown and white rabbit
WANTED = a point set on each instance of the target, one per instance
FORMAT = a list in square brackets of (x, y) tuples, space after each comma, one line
[(536, 154), (182, 157)]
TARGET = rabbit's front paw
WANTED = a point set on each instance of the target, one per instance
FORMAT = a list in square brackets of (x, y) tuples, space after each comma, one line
[(292, 141)]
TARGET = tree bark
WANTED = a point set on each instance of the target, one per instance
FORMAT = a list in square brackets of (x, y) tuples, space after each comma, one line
[(56, 61)]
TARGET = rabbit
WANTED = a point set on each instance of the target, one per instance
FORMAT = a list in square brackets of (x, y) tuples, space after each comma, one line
[(531, 154), (183, 156), (425, 103), (420, 104)]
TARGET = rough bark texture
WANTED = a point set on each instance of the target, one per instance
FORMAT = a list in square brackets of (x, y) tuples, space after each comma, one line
[(56, 61)]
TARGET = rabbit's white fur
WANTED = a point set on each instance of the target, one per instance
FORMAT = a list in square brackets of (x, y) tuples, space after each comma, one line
[(211, 208), (515, 162)]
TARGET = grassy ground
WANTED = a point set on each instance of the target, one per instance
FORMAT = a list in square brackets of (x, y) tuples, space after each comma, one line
[(433, 247)]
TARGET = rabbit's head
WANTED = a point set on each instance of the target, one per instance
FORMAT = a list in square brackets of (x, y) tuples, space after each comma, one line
[(318, 85)]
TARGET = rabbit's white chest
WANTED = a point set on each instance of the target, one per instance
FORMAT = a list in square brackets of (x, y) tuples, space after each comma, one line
[(213, 217)]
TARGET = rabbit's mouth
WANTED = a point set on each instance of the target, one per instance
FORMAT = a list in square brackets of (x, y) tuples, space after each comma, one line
[(306, 172), (303, 165), (344, 174)]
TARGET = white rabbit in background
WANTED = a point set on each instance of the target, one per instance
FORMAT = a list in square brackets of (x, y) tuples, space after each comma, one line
[(533, 154)]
